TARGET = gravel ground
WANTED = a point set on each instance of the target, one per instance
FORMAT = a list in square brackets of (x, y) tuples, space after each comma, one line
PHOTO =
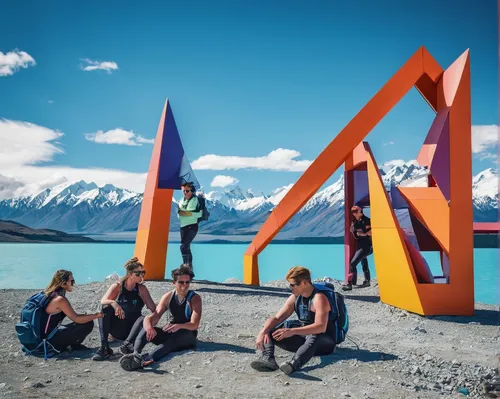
[(400, 355)]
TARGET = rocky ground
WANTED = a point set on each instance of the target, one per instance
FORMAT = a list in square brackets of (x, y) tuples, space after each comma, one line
[(400, 355)]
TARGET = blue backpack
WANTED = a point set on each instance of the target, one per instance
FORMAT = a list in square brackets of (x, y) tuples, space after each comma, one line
[(29, 329), (338, 313)]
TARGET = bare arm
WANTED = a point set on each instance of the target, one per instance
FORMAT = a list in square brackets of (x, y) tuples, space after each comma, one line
[(111, 294), (279, 317), (151, 320), (146, 296), (321, 309), (61, 304)]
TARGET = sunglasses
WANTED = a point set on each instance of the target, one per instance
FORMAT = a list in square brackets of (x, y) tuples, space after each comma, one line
[(183, 282), (140, 273), (186, 191), (295, 285)]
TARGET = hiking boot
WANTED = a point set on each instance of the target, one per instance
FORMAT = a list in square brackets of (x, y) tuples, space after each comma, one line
[(126, 348), (265, 363), (102, 353), (132, 361), (347, 287), (366, 283), (290, 366)]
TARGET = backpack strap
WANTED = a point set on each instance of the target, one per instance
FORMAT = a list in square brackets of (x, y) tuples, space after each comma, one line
[(189, 296)]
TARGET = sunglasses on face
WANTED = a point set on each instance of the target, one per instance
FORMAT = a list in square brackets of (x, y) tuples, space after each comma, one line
[(140, 273), (187, 191), (295, 285), (183, 282)]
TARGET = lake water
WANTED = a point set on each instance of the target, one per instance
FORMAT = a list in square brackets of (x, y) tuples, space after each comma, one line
[(32, 265)]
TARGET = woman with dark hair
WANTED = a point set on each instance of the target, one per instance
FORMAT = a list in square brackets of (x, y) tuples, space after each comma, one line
[(179, 334), (71, 334), (122, 306)]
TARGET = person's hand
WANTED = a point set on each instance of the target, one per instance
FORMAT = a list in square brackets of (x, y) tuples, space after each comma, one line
[(118, 310), (150, 334), (261, 340), (99, 315), (282, 333), (171, 328)]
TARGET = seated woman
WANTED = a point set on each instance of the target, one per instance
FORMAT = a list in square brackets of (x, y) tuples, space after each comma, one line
[(122, 306), (178, 335), (71, 334)]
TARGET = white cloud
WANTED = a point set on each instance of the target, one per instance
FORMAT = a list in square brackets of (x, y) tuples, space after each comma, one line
[(118, 136), (13, 60), (485, 141), (389, 143), (107, 66), (223, 181), (279, 159), (25, 147)]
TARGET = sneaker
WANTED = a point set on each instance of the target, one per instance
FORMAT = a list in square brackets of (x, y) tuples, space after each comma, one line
[(131, 362), (289, 367), (366, 283), (264, 363), (126, 348), (102, 353), (347, 287)]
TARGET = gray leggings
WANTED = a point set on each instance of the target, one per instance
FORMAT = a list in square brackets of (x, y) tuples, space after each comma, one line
[(305, 347), (166, 342)]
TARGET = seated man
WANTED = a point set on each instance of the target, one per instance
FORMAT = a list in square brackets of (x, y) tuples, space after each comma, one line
[(311, 335), (178, 335)]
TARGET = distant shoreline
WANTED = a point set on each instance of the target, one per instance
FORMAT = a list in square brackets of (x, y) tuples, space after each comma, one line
[(480, 241)]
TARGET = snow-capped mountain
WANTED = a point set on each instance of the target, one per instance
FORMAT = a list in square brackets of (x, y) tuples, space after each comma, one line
[(86, 208)]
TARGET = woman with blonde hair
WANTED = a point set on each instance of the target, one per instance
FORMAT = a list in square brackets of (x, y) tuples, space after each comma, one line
[(122, 306), (71, 334)]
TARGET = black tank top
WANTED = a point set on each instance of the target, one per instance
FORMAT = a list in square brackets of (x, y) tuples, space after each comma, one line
[(130, 301), (51, 321), (306, 315), (178, 312)]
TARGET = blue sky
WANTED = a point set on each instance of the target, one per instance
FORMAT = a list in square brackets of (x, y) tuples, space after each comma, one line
[(243, 80)]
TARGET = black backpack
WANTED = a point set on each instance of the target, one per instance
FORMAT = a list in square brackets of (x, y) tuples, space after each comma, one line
[(203, 208)]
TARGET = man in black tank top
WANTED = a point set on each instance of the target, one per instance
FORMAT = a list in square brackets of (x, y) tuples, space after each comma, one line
[(311, 335), (181, 331)]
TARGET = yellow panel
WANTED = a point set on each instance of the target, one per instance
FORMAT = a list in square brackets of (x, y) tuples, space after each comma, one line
[(250, 269), (396, 278)]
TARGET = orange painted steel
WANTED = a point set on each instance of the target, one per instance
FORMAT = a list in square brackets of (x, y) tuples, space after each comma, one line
[(154, 222), (447, 215)]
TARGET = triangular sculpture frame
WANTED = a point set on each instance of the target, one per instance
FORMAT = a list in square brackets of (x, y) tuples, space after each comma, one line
[(443, 208)]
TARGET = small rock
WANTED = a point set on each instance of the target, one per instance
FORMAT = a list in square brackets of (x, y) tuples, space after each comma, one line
[(287, 383), (38, 385), (25, 378), (243, 335), (2, 385), (198, 386), (188, 363), (157, 385), (346, 394), (440, 333), (48, 381), (86, 371)]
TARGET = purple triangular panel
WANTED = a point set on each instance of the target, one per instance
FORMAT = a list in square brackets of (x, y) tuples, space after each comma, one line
[(360, 178), (440, 166), (397, 199), (174, 166)]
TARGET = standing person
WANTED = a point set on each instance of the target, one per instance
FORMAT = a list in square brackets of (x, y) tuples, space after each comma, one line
[(178, 335), (189, 212), (311, 335), (362, 231), (70, 335), (122, 306)]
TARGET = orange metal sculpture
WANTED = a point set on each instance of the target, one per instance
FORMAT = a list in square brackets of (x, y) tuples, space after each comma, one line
[(441, 213)]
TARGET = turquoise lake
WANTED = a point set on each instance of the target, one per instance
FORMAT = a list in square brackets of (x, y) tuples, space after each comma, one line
[(32, 265)]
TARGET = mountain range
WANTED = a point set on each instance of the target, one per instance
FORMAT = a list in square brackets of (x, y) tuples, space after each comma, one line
[(85, 208)]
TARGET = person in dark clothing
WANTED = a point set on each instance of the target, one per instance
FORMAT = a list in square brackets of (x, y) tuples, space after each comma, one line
[(178, 335), (122, 306), (361, 229), (64, 336), (311, 335), (188, 213)]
